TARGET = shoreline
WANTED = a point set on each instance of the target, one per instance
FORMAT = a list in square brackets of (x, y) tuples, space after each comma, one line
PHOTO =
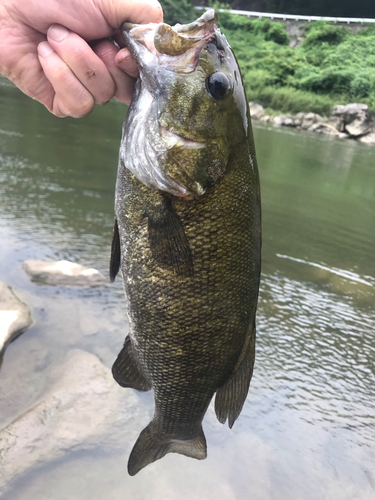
[(351, 121)]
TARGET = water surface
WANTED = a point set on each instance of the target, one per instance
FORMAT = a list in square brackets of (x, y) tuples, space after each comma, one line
[(307, 429)]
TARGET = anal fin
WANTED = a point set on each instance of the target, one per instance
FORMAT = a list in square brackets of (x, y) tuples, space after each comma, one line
[(126, 372), (114, 265), (231, 396)]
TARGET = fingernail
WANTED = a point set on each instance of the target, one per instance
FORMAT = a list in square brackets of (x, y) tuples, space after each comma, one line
[(44, 49), (57, 32)]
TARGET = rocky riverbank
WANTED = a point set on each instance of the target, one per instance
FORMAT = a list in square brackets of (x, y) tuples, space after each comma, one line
[(352, 121)]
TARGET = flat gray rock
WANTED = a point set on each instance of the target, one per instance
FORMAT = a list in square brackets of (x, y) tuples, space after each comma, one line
[(84, 409), (15, 316), (63, 272)]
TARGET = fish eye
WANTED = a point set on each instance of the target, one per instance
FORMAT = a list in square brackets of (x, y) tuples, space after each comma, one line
[(218, 85)]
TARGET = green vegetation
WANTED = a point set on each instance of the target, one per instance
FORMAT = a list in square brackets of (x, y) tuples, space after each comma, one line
[(180, 11), (332, 66)]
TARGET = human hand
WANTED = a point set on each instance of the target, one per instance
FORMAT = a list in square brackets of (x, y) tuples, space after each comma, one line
[(45, 50)]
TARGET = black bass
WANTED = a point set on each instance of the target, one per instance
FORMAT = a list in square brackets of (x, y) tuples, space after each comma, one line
[(187, 233)]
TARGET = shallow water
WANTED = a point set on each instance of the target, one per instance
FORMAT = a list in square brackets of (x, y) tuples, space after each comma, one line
[(307, 429)]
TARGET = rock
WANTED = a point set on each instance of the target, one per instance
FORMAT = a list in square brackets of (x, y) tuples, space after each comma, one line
[(358, 128), (284, 121), (63, 272), (84, 409), (368, 139), (15, 316), (355, 119), (265, 119), (256, 110), (342, 135), (298, 119), (336, 122), (324, 128), (310, 119)]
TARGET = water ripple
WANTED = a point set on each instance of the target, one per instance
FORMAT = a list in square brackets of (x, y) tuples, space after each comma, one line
[(316, 352), (339, 272)]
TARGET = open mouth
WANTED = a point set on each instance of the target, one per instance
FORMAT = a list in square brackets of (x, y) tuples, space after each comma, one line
[(176, 48)]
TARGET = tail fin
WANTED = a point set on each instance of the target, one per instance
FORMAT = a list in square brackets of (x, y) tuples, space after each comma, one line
[(151, 446)]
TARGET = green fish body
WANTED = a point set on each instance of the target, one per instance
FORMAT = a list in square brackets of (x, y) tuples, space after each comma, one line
[(188, 235)]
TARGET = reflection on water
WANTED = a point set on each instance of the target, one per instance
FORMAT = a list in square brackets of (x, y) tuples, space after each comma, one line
[(308, 426)]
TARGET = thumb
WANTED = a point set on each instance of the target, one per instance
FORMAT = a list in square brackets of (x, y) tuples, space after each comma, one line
[(135, 11)]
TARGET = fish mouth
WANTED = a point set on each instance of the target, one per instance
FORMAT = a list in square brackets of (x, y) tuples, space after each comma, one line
[(172, 139), (176, 48)]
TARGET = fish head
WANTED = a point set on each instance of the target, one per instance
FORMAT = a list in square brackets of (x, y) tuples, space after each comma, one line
[(189, 109)]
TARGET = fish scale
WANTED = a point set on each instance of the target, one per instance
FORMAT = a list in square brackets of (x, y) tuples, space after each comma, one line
[(190, 263)]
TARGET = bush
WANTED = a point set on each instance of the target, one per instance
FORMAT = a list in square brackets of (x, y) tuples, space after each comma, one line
[(328, 81), (360, 86), (289, 100), (234, 23), (277, 33), (321, 32), (180, 11), (271, 31)]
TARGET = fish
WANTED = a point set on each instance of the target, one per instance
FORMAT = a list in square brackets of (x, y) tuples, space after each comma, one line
[(187, 235)]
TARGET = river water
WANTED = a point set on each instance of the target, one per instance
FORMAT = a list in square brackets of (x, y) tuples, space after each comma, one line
[(307, 430)]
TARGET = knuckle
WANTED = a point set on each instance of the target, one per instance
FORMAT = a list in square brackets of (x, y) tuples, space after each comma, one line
[(107, 94), (84, 108), (57, 112), (105, 50), (62, 75), (150, 11), (77, 55), (155, 9), (81, 107)]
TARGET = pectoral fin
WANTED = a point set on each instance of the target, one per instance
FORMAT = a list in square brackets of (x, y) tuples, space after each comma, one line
[(114, 265), (231, 396), (126, 371), (168, 242)]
